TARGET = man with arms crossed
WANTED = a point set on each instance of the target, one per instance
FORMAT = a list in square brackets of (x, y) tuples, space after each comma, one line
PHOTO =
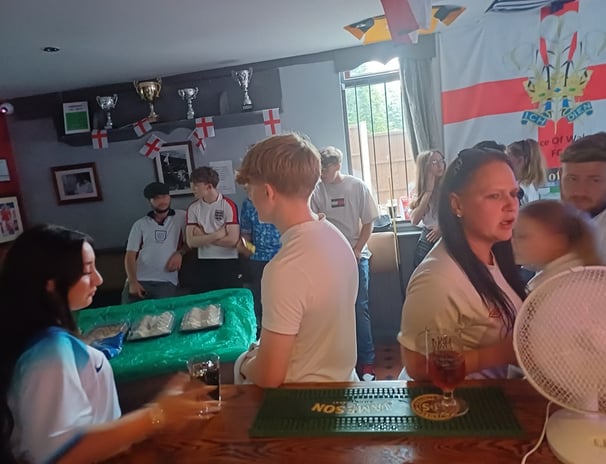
[(212, 228)]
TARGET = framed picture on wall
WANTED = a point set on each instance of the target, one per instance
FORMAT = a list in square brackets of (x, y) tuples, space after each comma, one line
[(10, 219), (76, 183), (174, 165)]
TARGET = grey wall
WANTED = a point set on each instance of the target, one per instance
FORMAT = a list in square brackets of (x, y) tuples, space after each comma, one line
[(311, 104)]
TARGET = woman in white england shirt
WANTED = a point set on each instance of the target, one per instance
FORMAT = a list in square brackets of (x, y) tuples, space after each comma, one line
[(468, 283)]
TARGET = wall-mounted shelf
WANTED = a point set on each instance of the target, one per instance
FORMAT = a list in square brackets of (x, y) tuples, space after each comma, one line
[(127, 132)]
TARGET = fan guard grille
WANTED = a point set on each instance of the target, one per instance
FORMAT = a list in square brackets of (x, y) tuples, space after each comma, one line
[(560, 339)]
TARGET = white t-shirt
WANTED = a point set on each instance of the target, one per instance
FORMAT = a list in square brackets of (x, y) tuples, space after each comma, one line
[(561, 264), (430, 218), (441, 296), (60, 386), (600, 223), (309, 290), (347, 204), (530, 193), (213, 216), (155, 243)]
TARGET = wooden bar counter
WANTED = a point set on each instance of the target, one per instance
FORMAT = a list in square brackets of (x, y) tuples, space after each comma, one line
[(225, 439)]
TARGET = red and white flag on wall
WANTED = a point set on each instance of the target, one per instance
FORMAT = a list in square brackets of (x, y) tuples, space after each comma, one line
[(537, 75), (152, 147), (271, 121), (206, 126), (197, 139), (99, 138), (406, 17), (142, 127)]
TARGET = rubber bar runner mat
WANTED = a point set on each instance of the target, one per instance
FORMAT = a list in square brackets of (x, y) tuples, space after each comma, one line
[(345, 411)]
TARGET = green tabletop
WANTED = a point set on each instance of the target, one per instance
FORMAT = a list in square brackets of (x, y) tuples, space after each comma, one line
[(165, 355)]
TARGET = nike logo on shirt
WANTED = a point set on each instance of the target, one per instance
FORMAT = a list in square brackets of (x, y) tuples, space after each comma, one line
[(97, 369)]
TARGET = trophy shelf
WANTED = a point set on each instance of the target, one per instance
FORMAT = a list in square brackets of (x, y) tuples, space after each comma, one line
[(127, 132)]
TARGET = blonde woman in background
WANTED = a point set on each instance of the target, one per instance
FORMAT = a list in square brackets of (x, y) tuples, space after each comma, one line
[(529, 168), (424, 208)]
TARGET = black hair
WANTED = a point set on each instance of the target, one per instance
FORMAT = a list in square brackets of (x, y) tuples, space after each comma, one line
[(41, 254), (490, 145), (458, 175)]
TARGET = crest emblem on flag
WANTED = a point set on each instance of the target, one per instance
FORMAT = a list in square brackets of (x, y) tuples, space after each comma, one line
[(99, 138), (558, 76)]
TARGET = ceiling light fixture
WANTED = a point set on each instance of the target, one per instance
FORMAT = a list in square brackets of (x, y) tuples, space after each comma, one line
[(50, 49)]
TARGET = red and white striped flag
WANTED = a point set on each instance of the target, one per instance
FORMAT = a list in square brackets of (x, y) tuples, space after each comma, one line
[(206, 126), (142, 127), (198, 140), (406, 17), (99, 138), (271, 121), (152, 147)]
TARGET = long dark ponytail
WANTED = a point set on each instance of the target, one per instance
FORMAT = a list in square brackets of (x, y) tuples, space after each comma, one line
[(457, 176), (39, 255)]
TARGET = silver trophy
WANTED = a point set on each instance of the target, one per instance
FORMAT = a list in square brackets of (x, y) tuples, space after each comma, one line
[(107, 104), (243, 77), (189, 94)]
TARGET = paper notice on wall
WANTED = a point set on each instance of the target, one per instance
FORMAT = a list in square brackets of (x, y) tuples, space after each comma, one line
[(225, 169)]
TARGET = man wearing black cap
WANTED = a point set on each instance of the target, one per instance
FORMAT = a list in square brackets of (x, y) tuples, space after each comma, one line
[(155, 248)]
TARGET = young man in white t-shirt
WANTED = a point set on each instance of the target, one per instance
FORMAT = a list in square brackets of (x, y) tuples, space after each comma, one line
[(583, 180), (155, 249), (212, 228), (309, 288), (349, 206)]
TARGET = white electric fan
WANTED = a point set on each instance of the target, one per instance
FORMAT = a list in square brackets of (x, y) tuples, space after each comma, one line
[(560, 342)]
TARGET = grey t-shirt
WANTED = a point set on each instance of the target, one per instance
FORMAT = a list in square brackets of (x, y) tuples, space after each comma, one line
[(347, 205)]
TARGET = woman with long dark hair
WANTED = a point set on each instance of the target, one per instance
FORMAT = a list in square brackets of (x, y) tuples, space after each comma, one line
[(424, 208), (468, 283), (58, 400)]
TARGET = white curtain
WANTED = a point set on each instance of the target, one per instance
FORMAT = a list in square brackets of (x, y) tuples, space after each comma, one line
[(422, 109)]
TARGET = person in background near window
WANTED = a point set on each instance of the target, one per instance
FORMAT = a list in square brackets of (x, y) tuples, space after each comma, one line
[(212, 228), (155, 249), (529, 167), (490, 145), (553, 237), (266, 240), (309, 288), (583, 180), (58, 396), (424, 208), (468, 283), (348, 204)]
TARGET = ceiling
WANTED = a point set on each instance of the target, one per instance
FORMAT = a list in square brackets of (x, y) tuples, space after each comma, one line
[(117, 41)]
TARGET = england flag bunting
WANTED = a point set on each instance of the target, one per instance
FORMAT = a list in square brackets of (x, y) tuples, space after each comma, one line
[(271, 121), (151, 149), (206, 126), (99, 138), (197, 139), (142, 127), (534, 74)]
